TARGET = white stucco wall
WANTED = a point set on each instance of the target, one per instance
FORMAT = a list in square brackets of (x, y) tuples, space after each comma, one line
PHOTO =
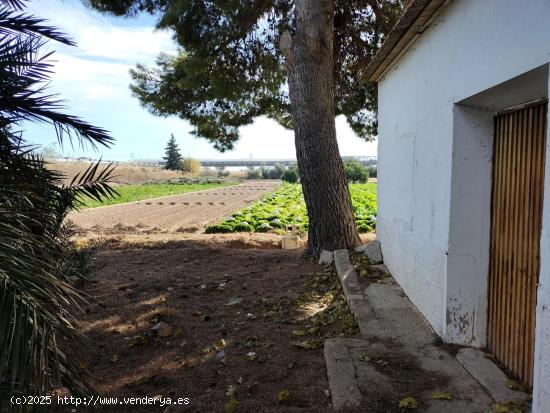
[(436, 105), (541, 391)]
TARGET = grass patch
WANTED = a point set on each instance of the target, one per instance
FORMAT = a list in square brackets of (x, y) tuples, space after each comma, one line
[(285, 209), (129, 193)]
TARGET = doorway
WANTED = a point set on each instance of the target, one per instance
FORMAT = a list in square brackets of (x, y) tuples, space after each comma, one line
[(516, 220)]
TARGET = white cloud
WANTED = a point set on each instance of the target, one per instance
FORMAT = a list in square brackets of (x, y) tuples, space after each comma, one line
[(98, 38), (98, 67), (130, 45)]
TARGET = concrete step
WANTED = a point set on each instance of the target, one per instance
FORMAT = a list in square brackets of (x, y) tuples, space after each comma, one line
[(398, 355)]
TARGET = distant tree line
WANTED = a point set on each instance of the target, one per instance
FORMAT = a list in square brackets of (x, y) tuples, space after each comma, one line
[(354, 170)]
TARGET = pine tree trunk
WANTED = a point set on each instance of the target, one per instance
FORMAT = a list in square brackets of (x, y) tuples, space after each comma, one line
[(309, 61)]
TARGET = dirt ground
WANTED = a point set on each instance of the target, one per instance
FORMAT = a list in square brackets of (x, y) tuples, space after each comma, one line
[(243, 322), (185, 213), (237, 322)]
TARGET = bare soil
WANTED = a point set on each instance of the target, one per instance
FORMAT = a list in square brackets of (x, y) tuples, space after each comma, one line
[(185, 213), (154, 266), (206, 357)]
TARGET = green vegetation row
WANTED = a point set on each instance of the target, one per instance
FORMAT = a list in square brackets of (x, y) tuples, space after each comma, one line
[(129, 193), (285, 208)]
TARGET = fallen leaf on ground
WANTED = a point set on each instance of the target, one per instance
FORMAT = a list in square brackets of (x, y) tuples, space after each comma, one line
[(221, 343), (283, 395), (516, 385), (231, 390), (230, 406), (115, 358), (234, 301), (299, 332), (512, 406), (137, 341), (408, 403), (306, 344), (252, 356), (500, 408), (441, 395)]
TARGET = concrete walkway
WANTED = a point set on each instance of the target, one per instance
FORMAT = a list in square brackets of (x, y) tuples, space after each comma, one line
[(398, 358)]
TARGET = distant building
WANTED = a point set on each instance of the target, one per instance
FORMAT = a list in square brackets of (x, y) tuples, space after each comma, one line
[(463, 175)]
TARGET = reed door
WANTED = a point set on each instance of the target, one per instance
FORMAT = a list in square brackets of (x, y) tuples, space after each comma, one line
[(517, 200)]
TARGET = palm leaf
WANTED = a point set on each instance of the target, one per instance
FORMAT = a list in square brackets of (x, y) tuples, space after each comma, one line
[(12, 22), (39, 345)]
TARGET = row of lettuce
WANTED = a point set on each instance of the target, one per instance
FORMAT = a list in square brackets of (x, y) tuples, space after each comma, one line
[(284, 210)]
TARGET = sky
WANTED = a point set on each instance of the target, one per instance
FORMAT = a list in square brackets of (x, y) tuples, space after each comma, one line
[(93, 80)]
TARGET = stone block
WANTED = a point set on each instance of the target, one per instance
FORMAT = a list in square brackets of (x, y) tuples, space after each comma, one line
[(290, 242), (327, 257)]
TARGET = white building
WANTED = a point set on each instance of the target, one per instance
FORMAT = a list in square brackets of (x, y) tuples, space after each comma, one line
[(463, 88)]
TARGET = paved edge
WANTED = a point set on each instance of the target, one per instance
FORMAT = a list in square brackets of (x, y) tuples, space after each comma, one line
[(488, 374), (350, 284), (378, 319), (343, 382)]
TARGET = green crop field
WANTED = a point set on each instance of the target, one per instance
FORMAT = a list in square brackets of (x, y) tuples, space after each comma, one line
[(129, 193), (285, 207)]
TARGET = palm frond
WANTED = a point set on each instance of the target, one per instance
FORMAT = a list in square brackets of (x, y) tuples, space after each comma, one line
[(34, 106), (23, 97), (34, 317), (93, 183), (12, 22), (14, 4), (39, 345), (20, 64)]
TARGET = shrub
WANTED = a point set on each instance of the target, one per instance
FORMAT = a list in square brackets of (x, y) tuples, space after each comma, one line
[(253, 173), (222, 172), (291, 176), (355, 171), (273, 173), (191, 166), (373, 172)]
